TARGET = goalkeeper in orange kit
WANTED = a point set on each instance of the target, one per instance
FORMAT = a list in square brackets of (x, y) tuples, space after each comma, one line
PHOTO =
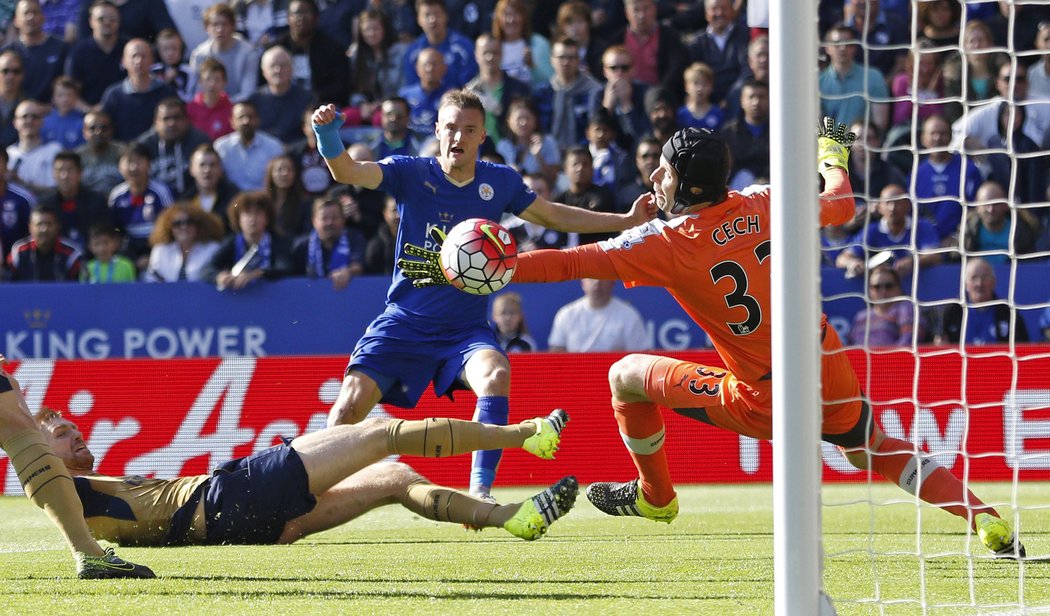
[(713, 257)]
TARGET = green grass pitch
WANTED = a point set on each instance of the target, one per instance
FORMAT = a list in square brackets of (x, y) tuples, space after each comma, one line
[(716, 558)]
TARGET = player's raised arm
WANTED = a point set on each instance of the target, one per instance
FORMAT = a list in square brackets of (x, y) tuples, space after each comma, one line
[(326, 123), (561, 217), (836, 201)]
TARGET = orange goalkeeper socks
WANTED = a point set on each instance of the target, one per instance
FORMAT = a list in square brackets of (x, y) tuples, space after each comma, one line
[(642, 429), (936, 484)]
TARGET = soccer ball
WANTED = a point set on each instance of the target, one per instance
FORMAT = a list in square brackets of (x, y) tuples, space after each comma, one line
[(479, 256)]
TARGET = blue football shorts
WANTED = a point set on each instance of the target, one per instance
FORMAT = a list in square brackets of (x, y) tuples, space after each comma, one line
[(403, 359), (249, 499)]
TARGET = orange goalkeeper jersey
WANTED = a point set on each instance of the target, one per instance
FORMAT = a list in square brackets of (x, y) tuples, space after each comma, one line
[(715, 263)]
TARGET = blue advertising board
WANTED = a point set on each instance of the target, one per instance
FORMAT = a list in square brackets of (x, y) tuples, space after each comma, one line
[(306, 317)]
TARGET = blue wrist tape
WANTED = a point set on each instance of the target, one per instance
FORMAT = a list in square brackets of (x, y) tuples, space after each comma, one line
[(329, 144)]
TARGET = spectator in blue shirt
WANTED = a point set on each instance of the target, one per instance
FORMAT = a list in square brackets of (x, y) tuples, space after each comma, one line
[(847, 88), (991, 227), (981, 320), (44, 55), (134, 100), (458, 50), (942, 179), (892, 233), (94, 61), (424, 95)]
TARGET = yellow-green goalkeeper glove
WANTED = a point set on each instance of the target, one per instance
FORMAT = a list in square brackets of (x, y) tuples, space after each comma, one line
[(425, 270), (833, 143)]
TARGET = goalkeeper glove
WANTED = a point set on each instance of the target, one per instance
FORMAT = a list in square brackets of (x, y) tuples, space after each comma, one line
[(329, 143), (833, 143), (424, 271)]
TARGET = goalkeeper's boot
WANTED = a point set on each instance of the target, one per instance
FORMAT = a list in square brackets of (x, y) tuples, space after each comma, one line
[(537, 514), (627, 499), (109, 565), (545, 442), (996, 535)]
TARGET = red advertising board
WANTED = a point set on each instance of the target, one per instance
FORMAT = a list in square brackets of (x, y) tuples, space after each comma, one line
[(175, 417)]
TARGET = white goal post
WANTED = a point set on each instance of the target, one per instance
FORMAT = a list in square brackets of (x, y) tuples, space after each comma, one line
[(793, 104)]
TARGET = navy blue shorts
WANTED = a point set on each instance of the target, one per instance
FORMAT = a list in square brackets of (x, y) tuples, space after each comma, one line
[(249, 499), (403, 360)]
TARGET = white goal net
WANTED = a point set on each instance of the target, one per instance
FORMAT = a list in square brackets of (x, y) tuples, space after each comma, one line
[(941, 289)]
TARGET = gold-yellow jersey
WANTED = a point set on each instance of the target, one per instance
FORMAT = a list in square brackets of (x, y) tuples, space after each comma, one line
[(135, 510)]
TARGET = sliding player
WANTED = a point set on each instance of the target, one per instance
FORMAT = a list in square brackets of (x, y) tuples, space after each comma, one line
[(713, 257), (441, 335), (50, 487), (316, 482)]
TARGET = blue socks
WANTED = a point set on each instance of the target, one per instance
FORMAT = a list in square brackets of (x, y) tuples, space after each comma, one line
[(491, 410)]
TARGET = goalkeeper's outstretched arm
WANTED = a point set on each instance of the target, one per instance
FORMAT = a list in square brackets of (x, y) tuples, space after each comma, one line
[(833, 144), (587, 261), (836, 202)]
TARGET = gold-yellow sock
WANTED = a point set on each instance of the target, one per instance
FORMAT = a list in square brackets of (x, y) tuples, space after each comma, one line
[(448, 505), (438, 437), (48, 484)]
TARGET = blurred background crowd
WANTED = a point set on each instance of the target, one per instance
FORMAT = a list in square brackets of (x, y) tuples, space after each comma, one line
[(170, 141)]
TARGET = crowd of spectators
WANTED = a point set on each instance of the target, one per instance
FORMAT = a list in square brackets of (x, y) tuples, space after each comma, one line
[(163, 141)]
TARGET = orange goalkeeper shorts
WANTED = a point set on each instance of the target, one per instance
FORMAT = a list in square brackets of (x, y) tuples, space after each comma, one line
[(716, 396)]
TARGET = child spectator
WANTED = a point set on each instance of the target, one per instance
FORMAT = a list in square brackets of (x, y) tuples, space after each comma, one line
[(211, 107), (238, 55), (107, 266), (65, 124), (172, 68), (698, 111), (508, 321), (138, 201), (612, 166)]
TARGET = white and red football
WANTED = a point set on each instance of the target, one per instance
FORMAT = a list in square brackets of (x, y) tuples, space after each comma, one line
[(479, 256)]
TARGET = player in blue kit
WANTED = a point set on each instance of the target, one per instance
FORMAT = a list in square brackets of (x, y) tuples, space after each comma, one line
[(440, 334)]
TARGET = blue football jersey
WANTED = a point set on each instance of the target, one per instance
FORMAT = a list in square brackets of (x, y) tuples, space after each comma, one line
[(426, 198)]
